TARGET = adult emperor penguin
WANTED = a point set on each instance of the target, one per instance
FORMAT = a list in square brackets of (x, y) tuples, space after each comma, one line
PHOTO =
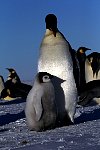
[(81, 56), (40, 103), (92, 67), (55, 58)]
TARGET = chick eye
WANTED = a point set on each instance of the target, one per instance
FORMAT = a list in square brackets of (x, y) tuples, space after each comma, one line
[(46, 77)]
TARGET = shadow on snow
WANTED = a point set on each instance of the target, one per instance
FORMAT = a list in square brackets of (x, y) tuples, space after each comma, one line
[(16, 101), (6, 119), (88, 116)]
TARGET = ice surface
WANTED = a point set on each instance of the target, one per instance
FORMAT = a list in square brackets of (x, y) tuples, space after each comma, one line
[(14, 133)]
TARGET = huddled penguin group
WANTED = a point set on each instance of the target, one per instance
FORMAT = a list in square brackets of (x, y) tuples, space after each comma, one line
[(90, 91), (13, 88), (65, 77), (61, 81)]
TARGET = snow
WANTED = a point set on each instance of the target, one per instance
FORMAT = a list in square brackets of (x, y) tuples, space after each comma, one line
[(15, 135)]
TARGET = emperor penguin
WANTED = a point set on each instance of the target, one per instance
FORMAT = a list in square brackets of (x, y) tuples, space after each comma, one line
[(20, 89), (55, 58), (8, 92), (13, 75), (90, 93), (81, 56), (40, 107), (92, 67)]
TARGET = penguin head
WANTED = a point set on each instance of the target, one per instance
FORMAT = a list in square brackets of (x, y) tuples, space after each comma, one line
[(82, 50), (44, 77), (51, 23), (13, 75), (11, 70)]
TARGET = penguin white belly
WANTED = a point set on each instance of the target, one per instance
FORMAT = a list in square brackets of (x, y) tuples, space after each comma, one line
[(89, 72), (55, 59)]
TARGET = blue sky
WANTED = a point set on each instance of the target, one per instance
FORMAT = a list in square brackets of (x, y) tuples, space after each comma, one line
[(22, 26)]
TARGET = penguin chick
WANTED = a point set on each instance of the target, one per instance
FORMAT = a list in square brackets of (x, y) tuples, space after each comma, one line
[(40, 103)]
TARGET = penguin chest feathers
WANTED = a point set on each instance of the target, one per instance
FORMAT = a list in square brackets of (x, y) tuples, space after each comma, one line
[(54, 54)]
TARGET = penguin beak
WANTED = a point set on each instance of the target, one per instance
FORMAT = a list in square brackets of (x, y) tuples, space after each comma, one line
[(7, 68), (87, 49), (54, 31), (84, 50)]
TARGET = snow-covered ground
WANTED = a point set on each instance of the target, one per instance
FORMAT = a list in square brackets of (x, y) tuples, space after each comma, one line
[(14, 133)]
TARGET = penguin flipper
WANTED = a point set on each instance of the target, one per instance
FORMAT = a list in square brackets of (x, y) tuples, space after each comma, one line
[(38, 110)]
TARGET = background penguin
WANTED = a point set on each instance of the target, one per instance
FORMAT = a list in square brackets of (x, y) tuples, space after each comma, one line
[(55, 58), (13, 75), (90, 91), (81, 56), (9, 91), (14, 88), (40, 104), (1, 84), (92, 67)]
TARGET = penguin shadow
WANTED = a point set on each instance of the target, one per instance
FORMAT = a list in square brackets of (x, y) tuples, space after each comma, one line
[(4, 130), (8, 118), (62, 118), (16, 101), (88, 116)]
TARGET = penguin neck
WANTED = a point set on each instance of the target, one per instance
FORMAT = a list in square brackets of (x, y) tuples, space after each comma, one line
[(49, 32), (37, 81), (50, 38)]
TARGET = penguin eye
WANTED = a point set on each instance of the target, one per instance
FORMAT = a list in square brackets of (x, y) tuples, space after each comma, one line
[(46, 78)]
